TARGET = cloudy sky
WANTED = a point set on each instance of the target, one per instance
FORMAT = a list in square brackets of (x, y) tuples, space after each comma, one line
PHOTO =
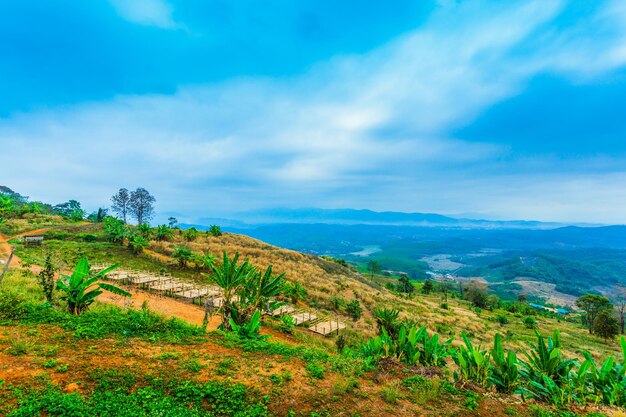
[(503, 109)]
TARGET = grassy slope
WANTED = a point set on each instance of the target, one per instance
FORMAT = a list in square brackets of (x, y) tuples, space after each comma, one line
[(288, 382)]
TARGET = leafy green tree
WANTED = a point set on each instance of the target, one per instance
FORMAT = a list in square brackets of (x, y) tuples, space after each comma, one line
[(35, 207), (121, 204), (8, 207), (172, 222), (373, 267), (183, 255), (70, 209), (605, 325), (97, 216), (141, 205), (163, 233), (427, 287), (405, 285), (592, 305), (354, 309), (46, 278), (476, 294), (620, 305), (82, 287), (215, 230)]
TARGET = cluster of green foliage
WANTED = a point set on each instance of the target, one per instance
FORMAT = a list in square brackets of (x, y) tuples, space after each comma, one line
[(100, 322), (598, 315), (81, 288), (246, 292), (157, 397), (411, 345), (544, 375)]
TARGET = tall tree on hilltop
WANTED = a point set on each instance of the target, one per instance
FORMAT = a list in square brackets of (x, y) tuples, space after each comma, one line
[(142, 205), (592, 304), (373, 267), (121, 204), (605, 325)]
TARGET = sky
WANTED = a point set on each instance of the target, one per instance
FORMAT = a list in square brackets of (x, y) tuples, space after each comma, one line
[(504, 110)]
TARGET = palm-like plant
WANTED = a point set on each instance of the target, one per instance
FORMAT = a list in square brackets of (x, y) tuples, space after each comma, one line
[(387, 319), (115, 229), (81, 288), (504, 372), (138, 243), (230, 277), (259, 289), (208, 260), (163, 232), (295, 292), (145, 230), (183, 255), (545, 358)]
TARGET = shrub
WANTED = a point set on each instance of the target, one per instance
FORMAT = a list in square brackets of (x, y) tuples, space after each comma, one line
[(529, 322), (354, 309), (502, 319), (315, 370), (504, 374), (190, 234), (473, 363), (287, 324)]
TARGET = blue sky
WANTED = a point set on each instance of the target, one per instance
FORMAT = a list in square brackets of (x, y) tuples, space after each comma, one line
[(507, 109)]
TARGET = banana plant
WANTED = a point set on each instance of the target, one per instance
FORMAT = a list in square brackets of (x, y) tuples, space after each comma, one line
[(137, 243), (249, 330), (230, 277), (434, 352), (473, 363), (545, 358), (406, 346), (387, 318), (504, 373), (257, 293), (183, 255), (609, 382), (378, 347), (163, 233), (81, 288)]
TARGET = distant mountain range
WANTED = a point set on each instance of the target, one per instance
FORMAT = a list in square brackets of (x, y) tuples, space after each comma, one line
[(368, 217)]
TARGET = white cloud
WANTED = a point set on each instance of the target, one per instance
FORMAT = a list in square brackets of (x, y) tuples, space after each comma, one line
[(146, 12), (369, 130)]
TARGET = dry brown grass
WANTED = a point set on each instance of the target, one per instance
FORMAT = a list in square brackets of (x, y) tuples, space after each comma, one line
[(326, 279)]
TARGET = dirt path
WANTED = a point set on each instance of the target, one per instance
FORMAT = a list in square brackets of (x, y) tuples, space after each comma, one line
[(5, 247), (170, 307), (166, 306)]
